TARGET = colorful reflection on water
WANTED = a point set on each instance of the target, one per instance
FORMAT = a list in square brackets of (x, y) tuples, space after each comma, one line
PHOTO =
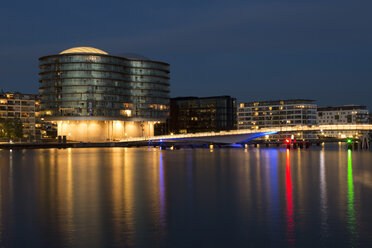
[(289, 203), (134, 197), (162, 190), (350, 200)]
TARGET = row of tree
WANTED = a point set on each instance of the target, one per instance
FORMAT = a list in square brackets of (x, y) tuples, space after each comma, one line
[(11, 128)]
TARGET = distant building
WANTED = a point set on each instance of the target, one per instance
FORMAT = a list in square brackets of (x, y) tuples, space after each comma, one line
[(25, 107), (94, 96), (204, 114), (347, 114), (277, 113)]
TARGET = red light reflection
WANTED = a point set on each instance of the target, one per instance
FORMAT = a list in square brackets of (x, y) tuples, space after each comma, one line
[(289, 196)]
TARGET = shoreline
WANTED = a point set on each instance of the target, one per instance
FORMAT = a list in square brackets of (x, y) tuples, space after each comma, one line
[(163, 145)]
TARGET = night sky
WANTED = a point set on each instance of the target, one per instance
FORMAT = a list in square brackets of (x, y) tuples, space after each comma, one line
[(249, 49)]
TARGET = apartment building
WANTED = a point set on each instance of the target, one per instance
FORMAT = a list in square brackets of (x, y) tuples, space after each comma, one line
[(278, 113), (347, 114), (25, 107)]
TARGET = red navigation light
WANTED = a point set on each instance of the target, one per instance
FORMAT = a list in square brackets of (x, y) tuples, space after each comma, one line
[(287, 141)]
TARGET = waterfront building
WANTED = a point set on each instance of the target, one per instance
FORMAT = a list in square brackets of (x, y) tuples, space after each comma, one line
[(25, 107), (204, 114), (94, 96), (278, 113), (347, 114)]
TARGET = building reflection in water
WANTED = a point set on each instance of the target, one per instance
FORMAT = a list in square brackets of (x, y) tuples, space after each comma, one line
[(323, 196), (122, 202), (301, 201), (69, 196), (118, 197), (350, 200), (126, 197), (6, 196), (289, 198), (190, 184), (258, 186)]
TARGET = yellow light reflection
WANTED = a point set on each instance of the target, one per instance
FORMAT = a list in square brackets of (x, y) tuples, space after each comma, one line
[(323, 195), (128, 189)]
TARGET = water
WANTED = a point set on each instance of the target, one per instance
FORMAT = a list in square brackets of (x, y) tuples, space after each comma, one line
[(140, 197)]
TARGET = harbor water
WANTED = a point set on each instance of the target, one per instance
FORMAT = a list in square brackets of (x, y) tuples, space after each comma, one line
[(147, 197)]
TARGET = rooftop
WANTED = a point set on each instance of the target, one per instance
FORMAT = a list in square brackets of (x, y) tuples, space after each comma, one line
[(278, 102), (83, 50)]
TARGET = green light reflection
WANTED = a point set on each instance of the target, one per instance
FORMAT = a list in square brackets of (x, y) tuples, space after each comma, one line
[(350, 199)]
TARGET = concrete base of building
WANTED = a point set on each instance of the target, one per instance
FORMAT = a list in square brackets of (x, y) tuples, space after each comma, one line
[(104, 131)]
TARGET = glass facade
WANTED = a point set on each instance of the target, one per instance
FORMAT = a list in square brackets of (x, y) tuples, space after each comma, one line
[(206, 114), (105, 86)]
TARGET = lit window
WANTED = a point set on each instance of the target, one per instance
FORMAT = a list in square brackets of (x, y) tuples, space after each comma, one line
[(127, 112)]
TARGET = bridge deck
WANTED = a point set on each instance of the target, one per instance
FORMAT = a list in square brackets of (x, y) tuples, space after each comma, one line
[(260, 132)]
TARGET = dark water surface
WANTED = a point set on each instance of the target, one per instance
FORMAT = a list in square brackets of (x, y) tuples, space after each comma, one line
[(140, 197)]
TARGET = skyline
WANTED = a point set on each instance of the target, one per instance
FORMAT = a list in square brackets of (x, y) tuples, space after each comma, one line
[(317, 50)]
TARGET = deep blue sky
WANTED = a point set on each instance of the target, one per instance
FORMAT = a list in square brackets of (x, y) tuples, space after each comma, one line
[(250, 49)]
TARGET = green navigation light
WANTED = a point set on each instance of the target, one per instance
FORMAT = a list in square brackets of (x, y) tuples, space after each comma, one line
[(349, 141)]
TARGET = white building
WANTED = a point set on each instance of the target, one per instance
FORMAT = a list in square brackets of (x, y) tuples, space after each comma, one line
[(348, 114), (278, 113)]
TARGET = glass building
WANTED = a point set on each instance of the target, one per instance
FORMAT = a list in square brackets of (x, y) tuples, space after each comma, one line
[(94, 96), (204, 114)]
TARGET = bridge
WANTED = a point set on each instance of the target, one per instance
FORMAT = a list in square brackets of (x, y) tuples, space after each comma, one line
[(245, 135)]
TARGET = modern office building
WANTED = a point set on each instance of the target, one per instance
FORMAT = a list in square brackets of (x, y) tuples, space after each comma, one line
[(347, 114), (25, 107), (277, 113), (94, 96), (205, 114)]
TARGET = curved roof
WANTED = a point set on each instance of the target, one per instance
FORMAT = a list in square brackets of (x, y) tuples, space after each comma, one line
[(83, 50)]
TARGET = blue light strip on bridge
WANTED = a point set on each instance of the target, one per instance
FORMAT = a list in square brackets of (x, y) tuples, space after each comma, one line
[(252, 136)]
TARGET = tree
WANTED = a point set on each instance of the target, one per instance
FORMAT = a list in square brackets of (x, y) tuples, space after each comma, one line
[(11, 128)]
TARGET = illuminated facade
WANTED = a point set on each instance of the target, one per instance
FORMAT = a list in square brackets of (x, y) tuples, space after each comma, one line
[(278, 113), (94, 96), (25, 107), (341, 115)]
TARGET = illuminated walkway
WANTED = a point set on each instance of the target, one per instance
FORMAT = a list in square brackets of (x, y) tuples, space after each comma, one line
[(243, 135)]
